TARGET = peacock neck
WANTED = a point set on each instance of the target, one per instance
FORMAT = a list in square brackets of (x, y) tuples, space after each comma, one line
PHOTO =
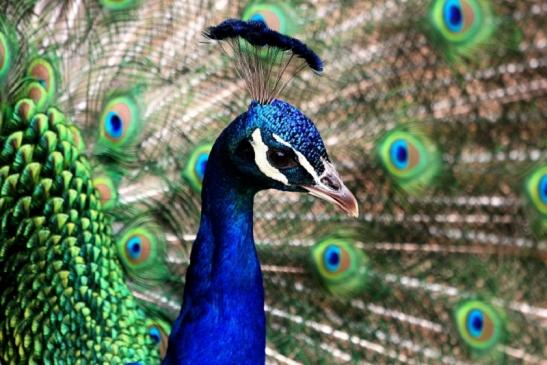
[(224, 255), (222, 318)]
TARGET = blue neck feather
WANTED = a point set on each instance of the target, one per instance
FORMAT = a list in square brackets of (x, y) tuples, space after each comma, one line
[(222, 319)]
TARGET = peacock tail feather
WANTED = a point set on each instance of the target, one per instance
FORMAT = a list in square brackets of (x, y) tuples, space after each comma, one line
[(433, 111)]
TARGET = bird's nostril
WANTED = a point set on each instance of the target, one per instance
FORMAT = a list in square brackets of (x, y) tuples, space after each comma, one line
[(330, 182)]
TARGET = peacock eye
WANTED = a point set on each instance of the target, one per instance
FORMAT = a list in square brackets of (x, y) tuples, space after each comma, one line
[(341, 267), (479, 325), (282, 159), (158, 331), (114, 125), (134, 247)]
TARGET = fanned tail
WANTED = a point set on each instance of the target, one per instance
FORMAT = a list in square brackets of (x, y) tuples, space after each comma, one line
[(433, 111)]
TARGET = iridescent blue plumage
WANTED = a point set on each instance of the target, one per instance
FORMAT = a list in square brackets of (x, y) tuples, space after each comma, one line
[(301, 132), (272, 145), (222, 318)]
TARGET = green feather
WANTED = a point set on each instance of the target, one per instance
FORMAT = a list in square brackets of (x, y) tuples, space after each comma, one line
[(43, 70), (158, 331), (120, 125), (479, 325), (8, 49), (278, 15), (535, 192), (460, 27), (194, 170), (410, 159), (35, 91), (107, 182), (341, 267), (117, 5), (142, 249), (68, 268)]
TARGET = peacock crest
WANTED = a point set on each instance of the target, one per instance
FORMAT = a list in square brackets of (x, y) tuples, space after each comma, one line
[(265, 59)]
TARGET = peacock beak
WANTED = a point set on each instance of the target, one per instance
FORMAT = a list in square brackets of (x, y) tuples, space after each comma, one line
[(331, 188)]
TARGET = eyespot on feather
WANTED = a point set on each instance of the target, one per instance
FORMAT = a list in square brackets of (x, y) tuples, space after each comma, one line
[(479, 325), (460, 27), (108, 191), (4, 54), (341, 267), (158, 332), (536, 190), (117, 119), (194, 170), (119, 127), (277, 15), (142, 251), (410, 159), (42, 71)]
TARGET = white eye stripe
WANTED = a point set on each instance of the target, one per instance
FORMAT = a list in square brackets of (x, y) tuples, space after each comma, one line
[(261, 159), (301, 158), (328, 168)]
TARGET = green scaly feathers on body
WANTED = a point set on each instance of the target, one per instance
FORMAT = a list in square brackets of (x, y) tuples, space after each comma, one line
[(56, 245)]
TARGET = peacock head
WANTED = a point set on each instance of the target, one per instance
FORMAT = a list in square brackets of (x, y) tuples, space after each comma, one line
[(273, 144), (279, 147)]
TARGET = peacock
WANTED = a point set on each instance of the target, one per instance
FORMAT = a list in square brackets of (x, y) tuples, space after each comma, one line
[(432, 111), (271, 145)]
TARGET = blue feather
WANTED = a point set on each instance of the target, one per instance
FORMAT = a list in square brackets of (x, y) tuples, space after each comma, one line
[(222, 318), (272, 145)]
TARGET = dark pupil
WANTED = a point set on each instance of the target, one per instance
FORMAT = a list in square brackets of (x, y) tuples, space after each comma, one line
[(155, 338), (281, 159), (477, 323), (116, 123), (455, 15), (202, 166), (334, 258), (136, 248), (402, 154)]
